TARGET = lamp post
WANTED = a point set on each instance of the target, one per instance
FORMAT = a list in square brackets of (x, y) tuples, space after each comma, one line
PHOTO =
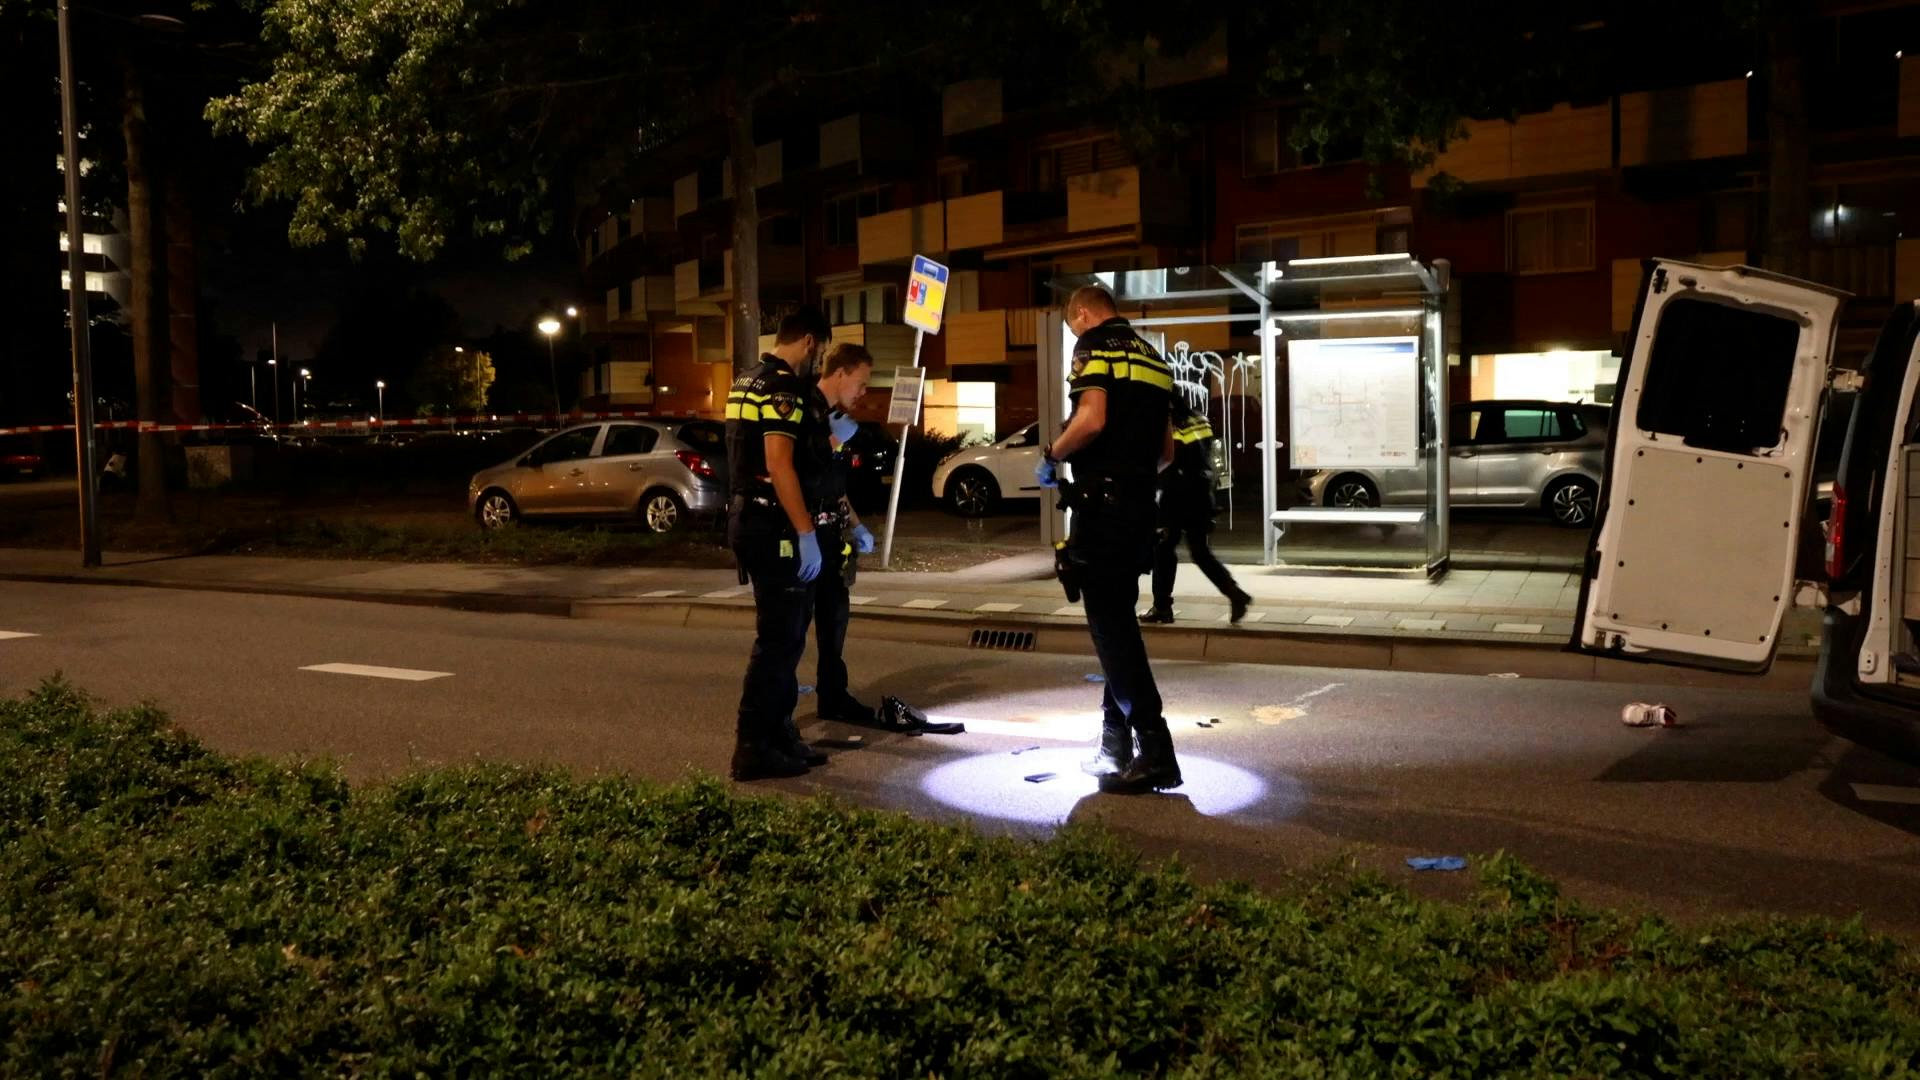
[(380, 387), (307, 377), (551, 326), (77, 318), (274, 378)]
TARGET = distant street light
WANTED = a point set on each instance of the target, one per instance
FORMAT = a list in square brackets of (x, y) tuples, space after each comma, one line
[(308, 377), (572, 312), (274, 363), (380, 387), (459, 348), (551, 326)]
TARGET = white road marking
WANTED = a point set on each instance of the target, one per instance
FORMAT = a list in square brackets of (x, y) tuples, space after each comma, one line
[(1423, 624), (9, 635), (1070, 609), (725, 594), (371, 672), (1887, 793), (658, 594), (1516, 628), (924, 605), (861, 599), (998, 607), (1341, 621), (1311, 694)]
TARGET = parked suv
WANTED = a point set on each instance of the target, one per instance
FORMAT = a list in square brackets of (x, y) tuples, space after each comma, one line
[(1530, 455), (1710, 486), (655, 472)]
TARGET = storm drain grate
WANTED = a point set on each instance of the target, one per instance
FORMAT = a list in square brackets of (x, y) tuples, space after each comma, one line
[(1008, 640)]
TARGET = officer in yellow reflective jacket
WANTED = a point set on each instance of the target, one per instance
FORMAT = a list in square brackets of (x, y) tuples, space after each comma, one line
[(1186, 509)]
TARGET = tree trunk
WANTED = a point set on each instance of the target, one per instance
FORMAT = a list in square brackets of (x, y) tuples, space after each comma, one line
[(149, 305), (744, 306), (1789, 213)]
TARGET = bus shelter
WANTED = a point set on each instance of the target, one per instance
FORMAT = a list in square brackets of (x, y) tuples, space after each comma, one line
[(1327, 376)]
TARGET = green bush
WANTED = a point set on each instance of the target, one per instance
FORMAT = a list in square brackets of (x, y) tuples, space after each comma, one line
[(168, 911)]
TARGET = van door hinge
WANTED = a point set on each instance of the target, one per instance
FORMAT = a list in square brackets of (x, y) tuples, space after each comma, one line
[(1846, 382)]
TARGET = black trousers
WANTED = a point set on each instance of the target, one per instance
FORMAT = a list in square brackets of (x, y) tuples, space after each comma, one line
[(1166, 558), (832, 604), (783, 606), (1111, 546)]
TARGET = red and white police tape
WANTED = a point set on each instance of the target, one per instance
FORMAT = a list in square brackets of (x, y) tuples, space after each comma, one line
[(356, 427)]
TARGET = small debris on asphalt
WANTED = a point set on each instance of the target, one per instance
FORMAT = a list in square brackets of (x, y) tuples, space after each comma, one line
[(1504, 675), (1278, 714), (806, 688), (1436, 862), (1024, 749), (1041, 777), (1203, 723), (1096, 678), (1649, 714), (1211, 720)]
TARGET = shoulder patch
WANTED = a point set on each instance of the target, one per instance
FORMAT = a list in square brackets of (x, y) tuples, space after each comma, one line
[(784, 405)]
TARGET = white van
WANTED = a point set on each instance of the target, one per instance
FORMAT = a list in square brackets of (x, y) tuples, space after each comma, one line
[(1707, 504)]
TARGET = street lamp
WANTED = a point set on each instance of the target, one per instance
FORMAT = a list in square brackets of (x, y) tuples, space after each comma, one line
[(77, 318), (380, 387), (551, 326), (274, 363), (572, 312), (308, 377)]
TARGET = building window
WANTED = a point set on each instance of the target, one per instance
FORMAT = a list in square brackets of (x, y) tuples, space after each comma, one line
[(956, 180), (1550, 239), (1262, 146), (871, 305), (1052, 166), (845, 212)]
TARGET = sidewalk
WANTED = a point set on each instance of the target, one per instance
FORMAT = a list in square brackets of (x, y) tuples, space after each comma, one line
[(1517, 613)]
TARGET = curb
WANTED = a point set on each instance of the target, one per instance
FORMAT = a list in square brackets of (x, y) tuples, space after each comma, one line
[(1269, 644)]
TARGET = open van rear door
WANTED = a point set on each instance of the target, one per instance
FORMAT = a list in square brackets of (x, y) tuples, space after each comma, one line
[(1708, 468)]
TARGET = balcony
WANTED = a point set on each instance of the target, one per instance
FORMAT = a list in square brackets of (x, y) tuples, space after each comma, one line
[(1686, 123), (852, 142), (1562, 140), (976, 221), (991, 336), (890, 343), (701, 286), (898, 235)]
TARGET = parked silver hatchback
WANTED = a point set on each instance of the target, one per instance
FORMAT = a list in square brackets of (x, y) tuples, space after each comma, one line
[(651, 471), (1532, 455)]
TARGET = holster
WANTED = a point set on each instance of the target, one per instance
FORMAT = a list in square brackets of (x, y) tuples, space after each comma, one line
[(1064, 570)]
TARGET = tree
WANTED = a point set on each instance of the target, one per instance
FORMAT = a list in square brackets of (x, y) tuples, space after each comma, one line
[(451, 382), (432, 120)]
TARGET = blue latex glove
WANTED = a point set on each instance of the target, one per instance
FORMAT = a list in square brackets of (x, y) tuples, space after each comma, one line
[(844, 427), (862, 540), (809, 557), (1048, 473)]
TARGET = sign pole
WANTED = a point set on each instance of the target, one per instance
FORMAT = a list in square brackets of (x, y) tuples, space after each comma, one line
[(899, 471)]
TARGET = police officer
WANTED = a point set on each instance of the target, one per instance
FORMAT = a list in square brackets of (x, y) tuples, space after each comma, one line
[(842, 383), (1186, 507), (1116, 442), (771, 527)]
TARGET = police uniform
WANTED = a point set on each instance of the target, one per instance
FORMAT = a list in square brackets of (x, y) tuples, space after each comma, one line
[(1186, 508), (1112, 544), (832, 601), (768, 399)]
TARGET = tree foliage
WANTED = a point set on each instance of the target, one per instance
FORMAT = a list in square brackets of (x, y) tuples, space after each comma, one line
[(450, 382)]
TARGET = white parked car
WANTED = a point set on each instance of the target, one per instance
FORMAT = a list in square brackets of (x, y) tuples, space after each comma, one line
[(973, 480)]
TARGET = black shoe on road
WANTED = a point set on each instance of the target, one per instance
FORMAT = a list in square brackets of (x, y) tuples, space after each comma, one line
[(762, 762), (1143, 775), (1157, 614)]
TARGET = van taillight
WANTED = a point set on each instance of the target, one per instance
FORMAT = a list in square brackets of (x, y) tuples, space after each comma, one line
[(1837, 534), (694, 463)]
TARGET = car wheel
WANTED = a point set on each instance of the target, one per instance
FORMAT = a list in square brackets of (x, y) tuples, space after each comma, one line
[(662, 511), (496, 510), (972, 493), (1351, 492), (1571, 502)]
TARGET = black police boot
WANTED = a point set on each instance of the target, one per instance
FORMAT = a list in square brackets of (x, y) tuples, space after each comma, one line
[(847, 708), (1157, 614), (797, 748), (1116, 750), (1153, 769), (1237, 605), (761, 761)]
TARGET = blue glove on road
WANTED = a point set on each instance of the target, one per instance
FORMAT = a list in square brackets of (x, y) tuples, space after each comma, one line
[(1048, 473), (844, 427), (862, 540), (809, 557)]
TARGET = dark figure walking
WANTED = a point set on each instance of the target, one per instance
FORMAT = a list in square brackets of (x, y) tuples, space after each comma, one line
[(1116, 442), (774, 488), (1186, 509)]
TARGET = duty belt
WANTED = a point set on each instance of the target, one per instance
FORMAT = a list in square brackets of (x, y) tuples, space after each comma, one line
[(829, 517)]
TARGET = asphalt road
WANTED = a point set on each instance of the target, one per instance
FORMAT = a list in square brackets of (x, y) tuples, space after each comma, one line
[(1748, 807)]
